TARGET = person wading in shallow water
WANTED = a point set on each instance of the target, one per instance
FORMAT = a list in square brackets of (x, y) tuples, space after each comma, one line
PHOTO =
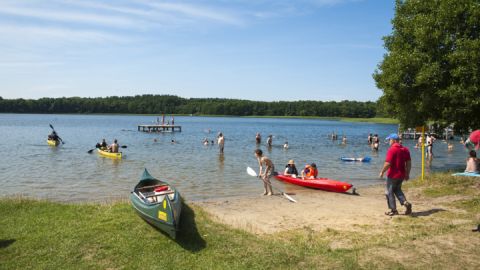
[(258, 138), (221, 142), (398, 165)]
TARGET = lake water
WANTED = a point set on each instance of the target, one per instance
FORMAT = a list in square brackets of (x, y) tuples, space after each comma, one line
[(28, 166)]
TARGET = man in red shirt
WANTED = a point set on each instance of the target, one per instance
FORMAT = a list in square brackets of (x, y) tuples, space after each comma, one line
[(398, 164)]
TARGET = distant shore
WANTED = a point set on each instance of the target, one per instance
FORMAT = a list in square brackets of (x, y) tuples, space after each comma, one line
[(376, 120)]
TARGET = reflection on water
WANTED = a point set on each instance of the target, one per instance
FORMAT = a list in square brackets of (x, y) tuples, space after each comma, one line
[(68, 173)]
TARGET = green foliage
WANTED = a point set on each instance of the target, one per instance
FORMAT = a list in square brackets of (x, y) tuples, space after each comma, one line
[(431, 71), (157, 104)]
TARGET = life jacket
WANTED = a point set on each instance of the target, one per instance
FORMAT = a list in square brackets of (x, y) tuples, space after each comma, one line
[(312, 172)]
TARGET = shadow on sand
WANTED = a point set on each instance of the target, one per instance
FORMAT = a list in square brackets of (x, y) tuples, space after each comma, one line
[(427, 212), (6, 243)]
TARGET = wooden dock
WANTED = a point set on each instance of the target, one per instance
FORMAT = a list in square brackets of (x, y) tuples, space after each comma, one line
[(159, 128)]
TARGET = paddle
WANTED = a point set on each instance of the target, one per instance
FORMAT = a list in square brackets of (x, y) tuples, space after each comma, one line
[(57, 134), (91, 150), (252, 172)]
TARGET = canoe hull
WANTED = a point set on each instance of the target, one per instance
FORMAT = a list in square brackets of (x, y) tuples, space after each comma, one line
[(109, 155), (53, 142), (161, 211), (317, 183)]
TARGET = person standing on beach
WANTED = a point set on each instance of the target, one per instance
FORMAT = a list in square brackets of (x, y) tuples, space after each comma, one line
[(221, 142), (398, 165), (265, 175)]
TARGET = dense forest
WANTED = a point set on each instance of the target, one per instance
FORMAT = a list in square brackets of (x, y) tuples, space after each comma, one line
[(156, 104)]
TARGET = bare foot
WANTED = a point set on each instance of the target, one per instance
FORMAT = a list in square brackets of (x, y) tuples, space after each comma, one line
[(264, 193), (269, 194)]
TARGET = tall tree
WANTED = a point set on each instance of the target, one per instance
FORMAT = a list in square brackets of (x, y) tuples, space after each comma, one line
[(431, 71)]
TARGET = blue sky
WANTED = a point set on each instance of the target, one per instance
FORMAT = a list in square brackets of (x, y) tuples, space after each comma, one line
[(258, 50)]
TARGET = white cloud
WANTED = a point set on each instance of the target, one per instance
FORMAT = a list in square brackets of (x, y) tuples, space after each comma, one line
[(39, 33), (68, 16), (198, 12)]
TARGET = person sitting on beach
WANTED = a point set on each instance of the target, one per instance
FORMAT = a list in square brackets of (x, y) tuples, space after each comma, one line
[(113, 148), (472, 163), (310, 171), (290, 169)]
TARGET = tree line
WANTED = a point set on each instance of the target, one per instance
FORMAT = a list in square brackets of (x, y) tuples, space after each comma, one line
[(157, 104)]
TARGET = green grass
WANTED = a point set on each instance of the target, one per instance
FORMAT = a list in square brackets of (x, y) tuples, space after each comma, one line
[(444, 184), (37, 234), (48, 235), (377, 120)]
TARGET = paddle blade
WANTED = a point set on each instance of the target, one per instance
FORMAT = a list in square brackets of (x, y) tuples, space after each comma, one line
[(90, 151), (288, 197), (366, 159), (251, 172), (123, 146), (51, 126)]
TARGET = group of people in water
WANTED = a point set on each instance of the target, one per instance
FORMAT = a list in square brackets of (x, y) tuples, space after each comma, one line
[(258, 140)]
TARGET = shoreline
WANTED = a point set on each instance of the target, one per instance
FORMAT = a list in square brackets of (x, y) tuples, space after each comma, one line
[(374, 120)]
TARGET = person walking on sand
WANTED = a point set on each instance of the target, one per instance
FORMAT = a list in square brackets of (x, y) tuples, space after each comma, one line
[(398, 164), (265, 175), (221, 142)]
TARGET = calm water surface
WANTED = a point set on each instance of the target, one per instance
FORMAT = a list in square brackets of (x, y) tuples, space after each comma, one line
[(28, 166)]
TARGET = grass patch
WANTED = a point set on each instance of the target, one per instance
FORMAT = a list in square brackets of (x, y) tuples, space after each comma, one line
[(48, 235), (471, 205), (377, 120), (444, 184)]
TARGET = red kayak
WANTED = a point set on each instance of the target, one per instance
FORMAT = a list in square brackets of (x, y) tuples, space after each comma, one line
[(318, 183)]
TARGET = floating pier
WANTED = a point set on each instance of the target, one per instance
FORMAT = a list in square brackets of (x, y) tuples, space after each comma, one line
[(159, 128)]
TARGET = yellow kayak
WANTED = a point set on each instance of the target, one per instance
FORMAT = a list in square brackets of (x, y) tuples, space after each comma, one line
[(53, 142), (109, 154)]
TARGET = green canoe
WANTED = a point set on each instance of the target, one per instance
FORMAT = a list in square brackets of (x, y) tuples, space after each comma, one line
[(158, 203)]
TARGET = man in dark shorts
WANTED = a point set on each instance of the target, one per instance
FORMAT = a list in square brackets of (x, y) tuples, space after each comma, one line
[(398, 165)]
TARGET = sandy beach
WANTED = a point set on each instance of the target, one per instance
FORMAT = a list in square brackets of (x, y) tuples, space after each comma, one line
[(317, 210)]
